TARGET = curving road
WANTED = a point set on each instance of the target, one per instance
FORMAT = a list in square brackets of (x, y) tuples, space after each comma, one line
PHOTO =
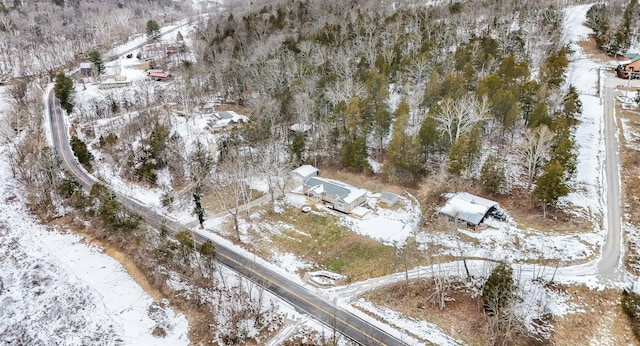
[(304, 301)]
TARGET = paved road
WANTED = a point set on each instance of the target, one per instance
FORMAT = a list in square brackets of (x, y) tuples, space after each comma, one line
[(609, 265), (304, 301)]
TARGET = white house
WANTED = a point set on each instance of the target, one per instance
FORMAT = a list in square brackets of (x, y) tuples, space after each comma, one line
[(340, 196)]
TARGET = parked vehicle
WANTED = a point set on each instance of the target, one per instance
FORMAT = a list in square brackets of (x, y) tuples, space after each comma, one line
[(498, 215)]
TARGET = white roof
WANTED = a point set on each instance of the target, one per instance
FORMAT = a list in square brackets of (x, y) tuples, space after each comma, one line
[(86, 65), (305, 170), (467, 207), (297, 127), (473, 199)]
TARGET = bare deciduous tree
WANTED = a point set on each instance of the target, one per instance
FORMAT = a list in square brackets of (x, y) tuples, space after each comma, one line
[(535, 149), (460, 116)]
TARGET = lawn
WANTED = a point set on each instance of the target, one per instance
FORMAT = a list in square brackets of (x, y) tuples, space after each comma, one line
[(320, 238)]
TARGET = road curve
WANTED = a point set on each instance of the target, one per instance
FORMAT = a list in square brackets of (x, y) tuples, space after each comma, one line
[(608, 267), (300, 298)]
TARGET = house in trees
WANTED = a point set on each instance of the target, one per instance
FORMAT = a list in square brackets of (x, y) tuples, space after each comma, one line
[(222, 120), (304, 129), (86, 69), (629, 68), (230, 118), (158, 75), (338, 195), (467, 208)]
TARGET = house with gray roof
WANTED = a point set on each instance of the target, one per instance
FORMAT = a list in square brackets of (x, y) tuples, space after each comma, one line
[(340, 196)]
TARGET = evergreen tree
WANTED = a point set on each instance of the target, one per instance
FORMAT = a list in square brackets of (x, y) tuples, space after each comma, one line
[(528, 94), (432, 90), (98, 64), (504, 108), (473, 147), (354, 152), (402, 165), (185, 240), (153, 29), (492, 175), (550, 186), (552, 72), (430, 138), (297, 146), (563, 152), (456, 163), (498, 292), (110, 212), (571, 105), (63, 89), (539, 116), (81, 152), (198, 209)]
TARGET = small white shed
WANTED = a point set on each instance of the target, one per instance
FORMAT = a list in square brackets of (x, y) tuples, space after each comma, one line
[(304, 172)]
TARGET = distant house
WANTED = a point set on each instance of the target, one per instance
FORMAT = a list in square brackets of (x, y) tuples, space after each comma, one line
[(468, 208), (340, 196), (86, 69), (300, 128), (629, 68), (113, 81), (304, 172), (230, 118), (159, 76)]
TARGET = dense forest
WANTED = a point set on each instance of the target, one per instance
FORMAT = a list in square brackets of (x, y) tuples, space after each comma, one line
[(455, 89)]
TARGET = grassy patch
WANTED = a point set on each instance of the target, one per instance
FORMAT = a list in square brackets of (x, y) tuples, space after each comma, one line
[(320, 238)]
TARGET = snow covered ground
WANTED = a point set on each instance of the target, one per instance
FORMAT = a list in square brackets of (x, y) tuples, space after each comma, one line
[(48, 256), (57, 290), (583, 74)]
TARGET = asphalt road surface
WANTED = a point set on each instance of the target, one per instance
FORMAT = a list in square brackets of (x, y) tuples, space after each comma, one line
[(611, 250), (301, 299)]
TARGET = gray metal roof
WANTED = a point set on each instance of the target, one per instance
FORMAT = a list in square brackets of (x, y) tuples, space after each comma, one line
[(389, 198), (467, 207), (340, 192), (226, 115)]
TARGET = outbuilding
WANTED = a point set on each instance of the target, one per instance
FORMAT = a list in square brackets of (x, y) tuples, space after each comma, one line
[(304, 172), (468, 208)]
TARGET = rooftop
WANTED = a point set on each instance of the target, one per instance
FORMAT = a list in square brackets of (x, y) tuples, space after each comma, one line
[(467, 207), (339, 190), (305, 170)]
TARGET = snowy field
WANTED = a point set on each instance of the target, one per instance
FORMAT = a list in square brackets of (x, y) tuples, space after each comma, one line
[(59, 291)]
